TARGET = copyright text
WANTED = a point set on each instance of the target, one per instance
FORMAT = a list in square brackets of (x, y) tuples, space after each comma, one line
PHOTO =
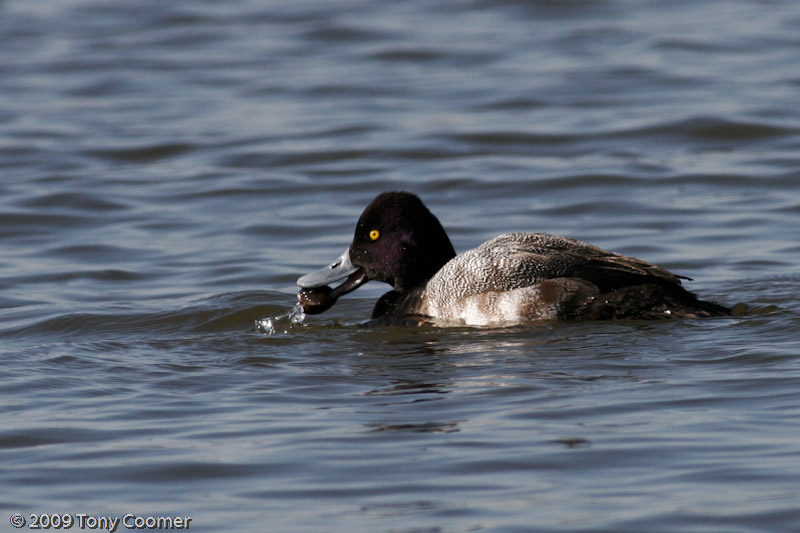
[(93, 522)]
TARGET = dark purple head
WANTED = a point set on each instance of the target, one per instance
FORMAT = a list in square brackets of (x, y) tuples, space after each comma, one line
[(397, 241), (400, 242)]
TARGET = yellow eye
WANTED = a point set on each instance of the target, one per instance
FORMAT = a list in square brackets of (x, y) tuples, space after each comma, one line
[(374, 234)]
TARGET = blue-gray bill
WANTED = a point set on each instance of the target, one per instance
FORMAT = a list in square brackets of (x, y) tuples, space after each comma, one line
[(316, 296)]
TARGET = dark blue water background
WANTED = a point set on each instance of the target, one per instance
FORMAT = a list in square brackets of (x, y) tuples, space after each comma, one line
[(168, 169)]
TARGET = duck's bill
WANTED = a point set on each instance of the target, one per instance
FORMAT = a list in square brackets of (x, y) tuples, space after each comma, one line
[(316, 296), (339, 269)]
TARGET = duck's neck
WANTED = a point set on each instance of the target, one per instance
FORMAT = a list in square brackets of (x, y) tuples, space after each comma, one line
[(426, 258)]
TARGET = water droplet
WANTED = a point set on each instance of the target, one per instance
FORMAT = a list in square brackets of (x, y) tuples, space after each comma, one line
[(270, 325), (265, 325), (296, 315)]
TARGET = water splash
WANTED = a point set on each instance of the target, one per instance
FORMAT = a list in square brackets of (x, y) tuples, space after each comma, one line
[(273, 325)]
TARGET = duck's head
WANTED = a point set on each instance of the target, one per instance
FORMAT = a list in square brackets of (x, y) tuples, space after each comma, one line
[(397, 241)]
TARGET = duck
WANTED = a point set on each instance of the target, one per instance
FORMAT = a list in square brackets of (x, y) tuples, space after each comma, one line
[(512, 279)]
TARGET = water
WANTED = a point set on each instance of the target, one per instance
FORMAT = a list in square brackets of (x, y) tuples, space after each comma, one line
[(273, 325), (168, 170)]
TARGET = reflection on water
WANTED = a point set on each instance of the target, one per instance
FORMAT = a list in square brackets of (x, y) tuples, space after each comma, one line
[(425, 427)]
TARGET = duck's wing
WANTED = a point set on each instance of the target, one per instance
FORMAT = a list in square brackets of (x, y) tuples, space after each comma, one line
[(563, 257), (518, 260)]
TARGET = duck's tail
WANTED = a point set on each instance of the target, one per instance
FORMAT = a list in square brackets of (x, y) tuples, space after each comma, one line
[(651, 301)]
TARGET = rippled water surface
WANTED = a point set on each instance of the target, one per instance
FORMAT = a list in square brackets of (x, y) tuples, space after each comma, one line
[(168, 170)]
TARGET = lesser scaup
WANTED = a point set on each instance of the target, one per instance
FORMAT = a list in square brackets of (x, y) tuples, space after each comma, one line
[(511, 279)]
